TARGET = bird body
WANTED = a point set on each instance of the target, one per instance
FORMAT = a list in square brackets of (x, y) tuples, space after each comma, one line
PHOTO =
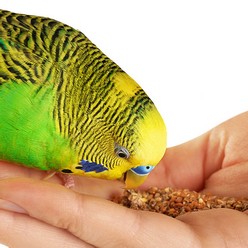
[(65, 106)]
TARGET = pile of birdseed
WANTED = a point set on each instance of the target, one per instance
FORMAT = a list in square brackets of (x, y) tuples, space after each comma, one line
[(174, 202)]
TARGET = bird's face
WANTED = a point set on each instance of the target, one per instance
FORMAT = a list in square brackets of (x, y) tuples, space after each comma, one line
[(132, 140), (131, 156), (148, 150)]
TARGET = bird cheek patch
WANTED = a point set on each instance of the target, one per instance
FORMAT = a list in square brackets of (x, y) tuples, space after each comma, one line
[(87, 166)]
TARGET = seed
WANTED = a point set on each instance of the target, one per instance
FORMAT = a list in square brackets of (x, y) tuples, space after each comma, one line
[(174, 202)]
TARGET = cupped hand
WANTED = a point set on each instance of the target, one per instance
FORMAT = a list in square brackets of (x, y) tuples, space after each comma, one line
[(38, 213), (215, 162)]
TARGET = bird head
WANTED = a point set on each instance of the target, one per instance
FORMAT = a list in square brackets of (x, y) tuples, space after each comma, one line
[(124, 135)]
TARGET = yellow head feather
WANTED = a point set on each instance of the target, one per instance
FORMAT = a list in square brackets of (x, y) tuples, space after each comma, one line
[(152, 139)]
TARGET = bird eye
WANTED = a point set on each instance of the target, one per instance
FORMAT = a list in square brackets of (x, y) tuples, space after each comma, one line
[(143, 170), (121, 152)]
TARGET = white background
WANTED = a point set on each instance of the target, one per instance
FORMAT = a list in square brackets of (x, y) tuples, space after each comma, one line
[(191, 57)]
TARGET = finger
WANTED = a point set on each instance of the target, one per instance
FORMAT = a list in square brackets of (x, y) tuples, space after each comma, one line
[(229, 181), (19, 230), (182, 166), (219, 227), (93, 186), (10, 170), (106, 189), (96, 221)]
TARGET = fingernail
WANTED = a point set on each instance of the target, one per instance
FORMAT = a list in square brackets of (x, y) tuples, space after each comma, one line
[(10, 206)]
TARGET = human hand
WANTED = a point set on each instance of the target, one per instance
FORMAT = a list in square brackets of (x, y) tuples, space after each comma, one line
[(215, 162), (55, 216)]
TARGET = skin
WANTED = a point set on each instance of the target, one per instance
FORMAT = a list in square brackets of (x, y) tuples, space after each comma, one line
[(44, 213)]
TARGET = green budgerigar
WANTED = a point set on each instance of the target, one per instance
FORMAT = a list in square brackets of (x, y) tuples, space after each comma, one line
[(66, 107)]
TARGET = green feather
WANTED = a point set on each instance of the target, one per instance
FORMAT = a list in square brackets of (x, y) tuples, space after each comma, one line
[(27, 130)]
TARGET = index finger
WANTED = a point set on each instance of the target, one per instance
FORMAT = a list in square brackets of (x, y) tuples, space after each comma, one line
[(94, 220)]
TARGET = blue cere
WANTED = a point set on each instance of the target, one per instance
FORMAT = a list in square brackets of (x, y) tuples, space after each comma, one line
[(91, 166), (143, 170)]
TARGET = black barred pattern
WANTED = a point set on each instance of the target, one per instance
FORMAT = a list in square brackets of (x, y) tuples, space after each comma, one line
[(88, 105)]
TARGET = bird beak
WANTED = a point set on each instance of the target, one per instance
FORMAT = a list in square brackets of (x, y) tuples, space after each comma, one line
[(132, 180)]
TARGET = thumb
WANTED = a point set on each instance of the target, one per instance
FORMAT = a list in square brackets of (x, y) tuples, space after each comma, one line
[(181, 166)]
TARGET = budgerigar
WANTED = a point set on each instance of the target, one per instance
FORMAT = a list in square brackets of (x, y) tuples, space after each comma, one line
[(66, 107)]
